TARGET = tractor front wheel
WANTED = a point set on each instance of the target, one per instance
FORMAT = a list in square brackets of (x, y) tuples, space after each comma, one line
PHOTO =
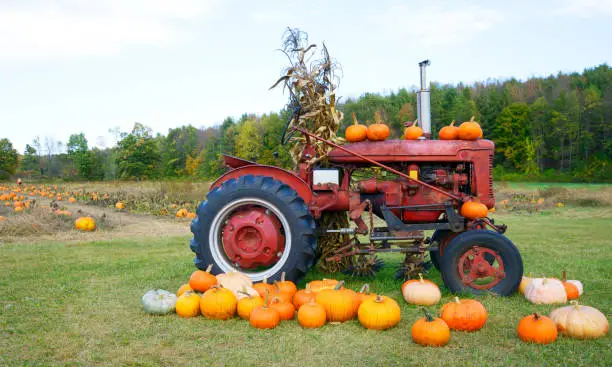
[(466, 264), (256, 225)]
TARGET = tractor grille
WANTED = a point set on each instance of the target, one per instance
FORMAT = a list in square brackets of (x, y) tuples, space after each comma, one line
[(491, 176)]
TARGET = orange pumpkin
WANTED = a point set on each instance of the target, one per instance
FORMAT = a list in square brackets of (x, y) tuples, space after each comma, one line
[(356, 132), (473, 209), (188, 304), (218, 303), (282, 296), (246, 305), (464, 315), (378, 132), (450, 132), (571, 289), (430, 331), (264, 317), (339, 303), (537, 329), (286, 311), (413, 132), (120, 205), (302, 297), (182, 289), (86, 224), (201, 281), (286, 286), (264, 286), (470, 130), (318, 285), (363, 295), (311, 315)]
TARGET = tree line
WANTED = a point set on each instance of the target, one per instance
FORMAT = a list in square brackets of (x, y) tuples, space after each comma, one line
[(552, 128)]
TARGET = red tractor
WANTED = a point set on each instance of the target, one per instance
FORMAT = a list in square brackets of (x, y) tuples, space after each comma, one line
[(262, 220)]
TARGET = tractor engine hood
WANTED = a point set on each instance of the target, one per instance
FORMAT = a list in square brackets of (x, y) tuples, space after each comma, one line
[(411, 150)]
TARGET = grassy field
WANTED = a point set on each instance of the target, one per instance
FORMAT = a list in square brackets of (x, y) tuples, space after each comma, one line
[(79, 303)]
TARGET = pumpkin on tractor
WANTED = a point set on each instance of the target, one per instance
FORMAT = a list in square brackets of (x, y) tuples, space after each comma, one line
[(264, 220)]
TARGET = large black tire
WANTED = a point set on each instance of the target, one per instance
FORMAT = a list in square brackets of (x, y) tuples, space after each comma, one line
[(507, 251), (437, 236), (301, 224)]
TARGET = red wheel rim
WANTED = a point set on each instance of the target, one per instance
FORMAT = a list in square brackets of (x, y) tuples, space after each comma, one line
[(253, 238), (476, 272)]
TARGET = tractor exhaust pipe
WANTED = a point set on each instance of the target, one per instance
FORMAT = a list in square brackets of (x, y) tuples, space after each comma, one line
[(423, 104)]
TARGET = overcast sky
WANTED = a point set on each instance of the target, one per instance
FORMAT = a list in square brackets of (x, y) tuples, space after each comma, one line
[(71, 66)]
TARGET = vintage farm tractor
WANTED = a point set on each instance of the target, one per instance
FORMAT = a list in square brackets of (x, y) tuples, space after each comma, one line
[(262, 220)]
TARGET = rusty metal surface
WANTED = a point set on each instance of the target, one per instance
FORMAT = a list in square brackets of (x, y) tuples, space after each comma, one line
[(410, 150), (376, 163), (287, 177), (477, 271), (235, 162)]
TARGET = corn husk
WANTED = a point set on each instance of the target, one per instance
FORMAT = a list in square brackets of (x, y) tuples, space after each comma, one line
[(312, 85)]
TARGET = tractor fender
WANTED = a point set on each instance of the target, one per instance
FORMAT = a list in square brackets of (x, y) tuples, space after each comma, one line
[(287, 177)]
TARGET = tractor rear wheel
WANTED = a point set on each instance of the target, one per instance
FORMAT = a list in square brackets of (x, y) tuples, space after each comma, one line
[(256, 225), (440, 237), (466, 264)]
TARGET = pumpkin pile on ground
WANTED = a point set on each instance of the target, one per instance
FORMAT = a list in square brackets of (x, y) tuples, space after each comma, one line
[(266, 305)]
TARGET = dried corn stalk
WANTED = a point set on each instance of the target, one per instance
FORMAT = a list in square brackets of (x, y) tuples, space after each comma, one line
[(312, 87)]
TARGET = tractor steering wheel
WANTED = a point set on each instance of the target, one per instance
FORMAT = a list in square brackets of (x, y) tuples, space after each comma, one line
[(286, 137)]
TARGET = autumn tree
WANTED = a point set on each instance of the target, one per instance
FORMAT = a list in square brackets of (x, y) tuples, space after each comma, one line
[(9, 159), (30, 160), (78, 151), (138, 154)]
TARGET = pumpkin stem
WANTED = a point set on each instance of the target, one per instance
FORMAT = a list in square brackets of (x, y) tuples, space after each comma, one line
[(457, 300), (339, 285), (365, 289), (379, 298), (267, 299), (265, 280), (355, 119), (209, 268), (536, 316), (421, 278), (472, 119), (574, 303), (452, 123), (416, 122), (243, 291), (283, 277), (428, 316), (563, 276)]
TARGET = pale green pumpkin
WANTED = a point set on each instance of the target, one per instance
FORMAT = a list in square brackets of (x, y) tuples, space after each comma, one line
[(159, 302)]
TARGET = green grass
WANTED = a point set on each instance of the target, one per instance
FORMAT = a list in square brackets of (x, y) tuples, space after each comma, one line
[(79, 303), (541, 185)]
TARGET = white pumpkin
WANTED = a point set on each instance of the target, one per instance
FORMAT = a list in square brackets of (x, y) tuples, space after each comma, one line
[(421, 292), (159, 302), (234, 281), (545, 291), (579, 321), (578, 285), (524, 283)]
